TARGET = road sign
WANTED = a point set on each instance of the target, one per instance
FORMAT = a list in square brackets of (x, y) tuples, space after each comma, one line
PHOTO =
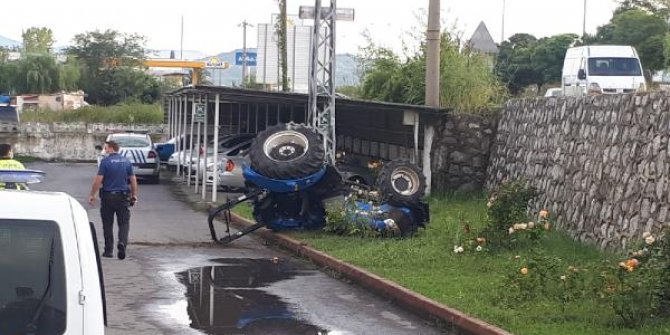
[(251, 58), (215, 62), (200, 113)]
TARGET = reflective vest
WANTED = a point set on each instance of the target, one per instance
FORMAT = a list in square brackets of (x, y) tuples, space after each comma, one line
[(10, 164)]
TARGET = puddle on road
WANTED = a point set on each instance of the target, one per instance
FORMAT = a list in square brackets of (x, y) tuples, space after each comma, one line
[(227, 299)]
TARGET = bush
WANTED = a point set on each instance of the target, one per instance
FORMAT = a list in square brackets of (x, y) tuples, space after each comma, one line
[(122, 113), (508, 214)]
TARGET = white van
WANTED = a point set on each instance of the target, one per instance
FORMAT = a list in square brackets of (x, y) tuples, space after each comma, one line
[(50, 274), (602, 69)]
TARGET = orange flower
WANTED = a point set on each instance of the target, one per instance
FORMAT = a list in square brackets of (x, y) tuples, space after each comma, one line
[(544, 214), (633, 263), (481, 240), (524, 271)]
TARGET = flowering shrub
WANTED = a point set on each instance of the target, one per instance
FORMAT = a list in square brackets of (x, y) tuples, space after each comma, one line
[(507, 214), (508, 222), (543, 277), (636, 288)]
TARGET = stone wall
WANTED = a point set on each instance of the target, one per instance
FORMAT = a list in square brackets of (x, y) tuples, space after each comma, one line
[(602, 163), (66, 141), (461, 150)]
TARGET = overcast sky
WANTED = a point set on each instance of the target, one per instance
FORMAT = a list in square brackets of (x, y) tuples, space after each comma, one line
[(211, 26)]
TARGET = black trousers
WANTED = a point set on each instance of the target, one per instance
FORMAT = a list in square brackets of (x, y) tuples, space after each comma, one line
[(115, 204)]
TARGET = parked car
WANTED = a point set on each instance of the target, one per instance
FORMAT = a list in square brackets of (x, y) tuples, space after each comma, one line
[(553, 92), (225, 142), (139, 150), (238, 150), (166, 149), (51, 280)]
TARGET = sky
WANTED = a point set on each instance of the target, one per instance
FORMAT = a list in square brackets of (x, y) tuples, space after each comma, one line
[(212, 26)]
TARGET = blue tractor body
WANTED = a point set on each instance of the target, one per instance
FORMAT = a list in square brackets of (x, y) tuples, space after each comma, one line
[(289, 182)]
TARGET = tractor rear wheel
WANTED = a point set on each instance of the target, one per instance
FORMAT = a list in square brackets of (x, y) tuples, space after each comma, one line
[(287, 151), (401, 183)]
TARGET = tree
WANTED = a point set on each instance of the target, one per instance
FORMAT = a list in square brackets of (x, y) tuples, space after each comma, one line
[(466, 84), (281, 43), (514, 65), (640, 28), (547, 58), (37, 74), (37, 40), (98, 50), (111, 67), (124, 84)]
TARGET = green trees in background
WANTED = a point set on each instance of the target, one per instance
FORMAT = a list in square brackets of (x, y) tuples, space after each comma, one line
[(111, 68), (466, 84), (640, 25), (37, 41), (106, 65)]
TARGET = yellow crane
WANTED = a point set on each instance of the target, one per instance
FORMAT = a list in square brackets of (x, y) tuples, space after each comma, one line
[(195, 65)]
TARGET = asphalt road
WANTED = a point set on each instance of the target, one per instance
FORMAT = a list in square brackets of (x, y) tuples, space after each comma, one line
[(175, 280)]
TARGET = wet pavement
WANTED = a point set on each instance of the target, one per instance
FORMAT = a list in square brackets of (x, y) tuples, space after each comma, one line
[(176, 281)]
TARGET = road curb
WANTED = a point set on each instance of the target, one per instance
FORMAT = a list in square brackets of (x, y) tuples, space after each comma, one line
[(399, 294)]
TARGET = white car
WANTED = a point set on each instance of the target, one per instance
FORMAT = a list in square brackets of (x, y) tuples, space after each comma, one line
[(553, 92), (140, 151), (51, 278)]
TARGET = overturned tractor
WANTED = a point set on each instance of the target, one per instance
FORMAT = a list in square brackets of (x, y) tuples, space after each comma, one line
[(288, 183)]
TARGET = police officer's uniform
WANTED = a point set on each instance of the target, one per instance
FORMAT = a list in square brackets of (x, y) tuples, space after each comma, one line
[(115, 198), (7, 163)]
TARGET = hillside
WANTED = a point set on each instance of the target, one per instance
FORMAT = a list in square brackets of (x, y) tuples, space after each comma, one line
[(8, 42)]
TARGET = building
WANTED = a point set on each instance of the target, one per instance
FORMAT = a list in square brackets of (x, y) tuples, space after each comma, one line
[(55, 101)]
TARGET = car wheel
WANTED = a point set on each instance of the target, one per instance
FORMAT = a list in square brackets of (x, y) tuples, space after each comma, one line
[(401, 182), (287, 151)]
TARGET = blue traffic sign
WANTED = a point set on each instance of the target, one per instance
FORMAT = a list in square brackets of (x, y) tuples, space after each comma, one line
[(251, 58)]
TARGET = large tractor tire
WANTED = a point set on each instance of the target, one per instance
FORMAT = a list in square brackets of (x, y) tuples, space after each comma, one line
[(287, 151), (401, 183)]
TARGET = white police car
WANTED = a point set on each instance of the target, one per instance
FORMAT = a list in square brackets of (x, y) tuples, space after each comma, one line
[(51, 280), (140, 151)]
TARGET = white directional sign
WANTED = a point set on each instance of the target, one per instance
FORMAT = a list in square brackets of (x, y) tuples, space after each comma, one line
[(200, 113)]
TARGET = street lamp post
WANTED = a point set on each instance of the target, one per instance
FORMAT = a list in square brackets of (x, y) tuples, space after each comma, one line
[(584, 21)]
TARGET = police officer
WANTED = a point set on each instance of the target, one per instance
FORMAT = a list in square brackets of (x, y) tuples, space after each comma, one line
[(116, 196), (7, 162)]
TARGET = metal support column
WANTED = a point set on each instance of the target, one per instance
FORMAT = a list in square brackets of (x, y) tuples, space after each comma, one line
[(199, 152), (179, 129), (215, 177), (190, 155), (203, 196)]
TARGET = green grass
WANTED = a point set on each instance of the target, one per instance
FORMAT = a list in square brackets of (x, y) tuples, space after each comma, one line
[(472, 282), (25, 159), (123, 113), (244, 210)]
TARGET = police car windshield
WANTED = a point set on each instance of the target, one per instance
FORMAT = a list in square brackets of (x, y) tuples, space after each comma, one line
[(131, 142), (610, 66), (25, 250)]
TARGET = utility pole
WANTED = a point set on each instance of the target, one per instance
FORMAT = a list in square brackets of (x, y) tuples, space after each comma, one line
[(181, 48), (244, 25), (283, 52), (502, 31), (432, 82)]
